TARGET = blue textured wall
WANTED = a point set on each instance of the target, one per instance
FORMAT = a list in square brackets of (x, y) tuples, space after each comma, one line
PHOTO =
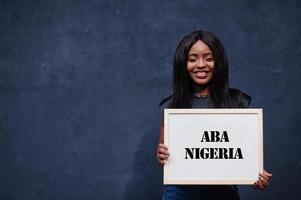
[(80, 83)]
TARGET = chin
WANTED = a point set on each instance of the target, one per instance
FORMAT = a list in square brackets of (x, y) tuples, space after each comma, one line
[(201, 82)]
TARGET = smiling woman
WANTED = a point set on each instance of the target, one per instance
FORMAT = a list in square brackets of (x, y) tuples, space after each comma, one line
[(201, 69), (201, 81)]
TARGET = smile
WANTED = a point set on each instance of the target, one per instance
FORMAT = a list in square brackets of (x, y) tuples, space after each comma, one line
[(201, 74)]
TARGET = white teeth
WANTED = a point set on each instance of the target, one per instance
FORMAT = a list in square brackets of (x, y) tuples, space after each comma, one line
[(201, 73)]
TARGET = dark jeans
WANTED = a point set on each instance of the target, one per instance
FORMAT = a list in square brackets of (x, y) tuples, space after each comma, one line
[(200, 192)]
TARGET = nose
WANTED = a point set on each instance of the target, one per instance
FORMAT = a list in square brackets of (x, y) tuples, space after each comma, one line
[(201, 63)]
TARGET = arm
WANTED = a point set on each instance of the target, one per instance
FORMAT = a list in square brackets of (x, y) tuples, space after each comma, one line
[(162, 151)]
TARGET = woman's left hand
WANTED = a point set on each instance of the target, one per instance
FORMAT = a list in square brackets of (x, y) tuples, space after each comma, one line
[(263, 180)]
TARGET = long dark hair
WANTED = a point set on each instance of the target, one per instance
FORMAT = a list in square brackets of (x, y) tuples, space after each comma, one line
[(183, 86)]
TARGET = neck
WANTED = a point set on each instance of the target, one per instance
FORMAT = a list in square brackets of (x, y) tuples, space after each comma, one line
[(201, 90)]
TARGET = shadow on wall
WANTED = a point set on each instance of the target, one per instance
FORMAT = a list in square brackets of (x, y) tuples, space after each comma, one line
[(146, 181)]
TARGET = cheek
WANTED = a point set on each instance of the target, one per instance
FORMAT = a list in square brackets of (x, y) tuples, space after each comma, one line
[(189, 66), (211, 65)]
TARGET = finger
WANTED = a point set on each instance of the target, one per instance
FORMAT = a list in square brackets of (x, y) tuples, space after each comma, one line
[(260, 185), (160, 160), (163, 162), (266, 178), (263, 181), (267, 173), (256, 186), (162, 156), (162, 146), (163, 151)]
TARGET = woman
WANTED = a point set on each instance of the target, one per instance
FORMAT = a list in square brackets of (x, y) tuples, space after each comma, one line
[(201, 81)]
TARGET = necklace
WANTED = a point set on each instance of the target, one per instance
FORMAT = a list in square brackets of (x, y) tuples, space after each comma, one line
[(200, 95)]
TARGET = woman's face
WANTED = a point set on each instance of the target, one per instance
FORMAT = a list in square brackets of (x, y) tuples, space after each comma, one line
[(200, 63)]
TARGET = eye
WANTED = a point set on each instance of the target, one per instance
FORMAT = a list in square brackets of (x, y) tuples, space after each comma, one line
[(209, 59), (192, 60)]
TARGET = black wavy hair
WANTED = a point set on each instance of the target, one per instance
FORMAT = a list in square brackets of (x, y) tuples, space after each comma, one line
[(183, 86)]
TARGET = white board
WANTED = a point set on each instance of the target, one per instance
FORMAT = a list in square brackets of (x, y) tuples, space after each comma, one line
[(184, 134)]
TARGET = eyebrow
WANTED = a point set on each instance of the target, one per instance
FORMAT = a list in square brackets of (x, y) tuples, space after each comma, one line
[(195, 54)]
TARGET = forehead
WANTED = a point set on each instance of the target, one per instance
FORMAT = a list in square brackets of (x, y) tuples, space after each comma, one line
[(199, 48)]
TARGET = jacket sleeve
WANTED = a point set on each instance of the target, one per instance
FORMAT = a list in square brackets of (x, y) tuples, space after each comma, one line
[(243, 100), (164, 104)]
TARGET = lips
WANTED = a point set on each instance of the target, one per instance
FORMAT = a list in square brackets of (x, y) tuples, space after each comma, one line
[(201, 74)]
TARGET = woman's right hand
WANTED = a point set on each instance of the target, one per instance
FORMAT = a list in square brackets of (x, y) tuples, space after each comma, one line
[(162, 154)]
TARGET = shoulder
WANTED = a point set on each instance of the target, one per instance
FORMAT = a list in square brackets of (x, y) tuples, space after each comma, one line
[(240, 98), (165, 103)]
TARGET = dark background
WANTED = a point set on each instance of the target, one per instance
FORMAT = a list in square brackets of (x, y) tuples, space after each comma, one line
[(80, 84)]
